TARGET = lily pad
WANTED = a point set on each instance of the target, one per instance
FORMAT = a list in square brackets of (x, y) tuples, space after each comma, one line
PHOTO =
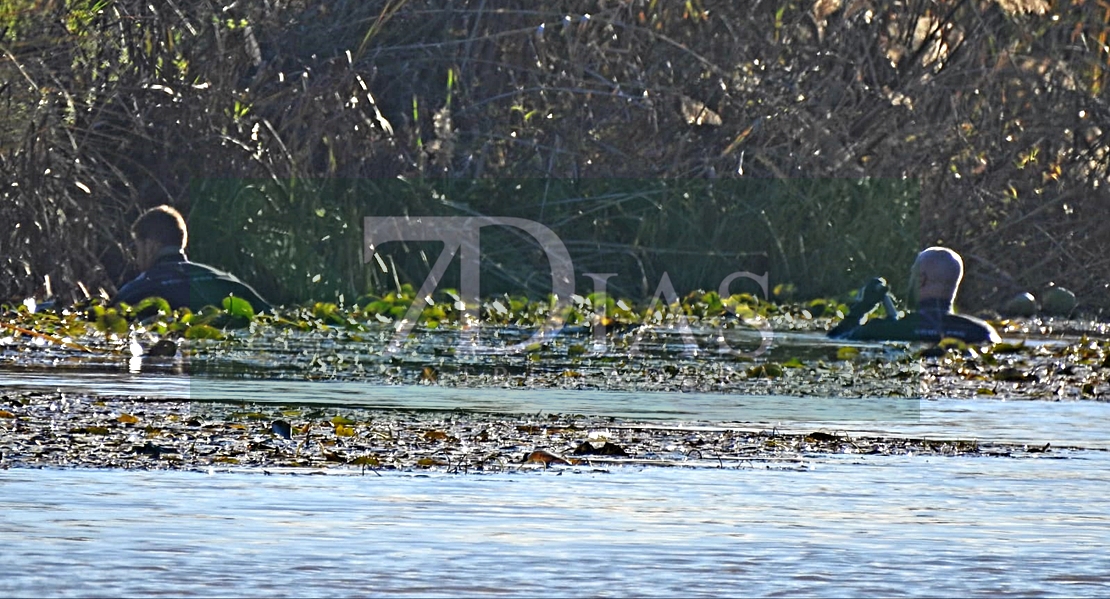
[(203, 331), (238, 306)]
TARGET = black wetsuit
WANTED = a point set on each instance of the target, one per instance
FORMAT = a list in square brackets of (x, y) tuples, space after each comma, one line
[(187, 284), (932, 321)]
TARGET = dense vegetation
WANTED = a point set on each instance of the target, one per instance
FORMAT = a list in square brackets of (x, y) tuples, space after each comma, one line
[(635, 126)]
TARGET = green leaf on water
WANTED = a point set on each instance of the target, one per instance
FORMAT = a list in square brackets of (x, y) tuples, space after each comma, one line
[(793, 363), (109, 320), (203, 331), (91, 430), (342, 420), (769, 370), (847, 353), (1008, 348), (237, 306), (377, 307), (952, 343), (161, 305)]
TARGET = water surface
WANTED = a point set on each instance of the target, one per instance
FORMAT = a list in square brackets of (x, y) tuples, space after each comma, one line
[(843, 527), (836, 526)]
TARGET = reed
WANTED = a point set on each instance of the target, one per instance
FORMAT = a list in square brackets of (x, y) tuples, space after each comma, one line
[(875, 131)]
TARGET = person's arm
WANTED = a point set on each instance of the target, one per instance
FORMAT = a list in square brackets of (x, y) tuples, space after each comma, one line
[(873, 293), (134, 291)]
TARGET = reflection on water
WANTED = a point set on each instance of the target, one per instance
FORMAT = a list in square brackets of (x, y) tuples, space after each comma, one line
[(887, 525), (334, 353)]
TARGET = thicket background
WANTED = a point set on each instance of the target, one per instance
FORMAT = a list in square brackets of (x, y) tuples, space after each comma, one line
[(989, 116)]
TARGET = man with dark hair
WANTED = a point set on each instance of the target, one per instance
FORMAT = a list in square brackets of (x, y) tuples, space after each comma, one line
[(160, 240), (934, 280)]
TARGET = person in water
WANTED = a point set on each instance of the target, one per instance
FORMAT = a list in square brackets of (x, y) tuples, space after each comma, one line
[(934, 280), (160, 240)]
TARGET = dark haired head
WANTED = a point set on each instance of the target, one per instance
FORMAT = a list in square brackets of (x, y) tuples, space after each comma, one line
[(163, 225)]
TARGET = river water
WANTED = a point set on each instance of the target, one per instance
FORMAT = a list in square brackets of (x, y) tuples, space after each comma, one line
[(884, 525), (839, 525)]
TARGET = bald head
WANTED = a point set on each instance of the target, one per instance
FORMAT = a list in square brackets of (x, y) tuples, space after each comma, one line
[(936, 275)]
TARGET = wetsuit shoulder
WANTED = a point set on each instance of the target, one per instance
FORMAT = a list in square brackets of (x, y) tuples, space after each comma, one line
[(919, 326), (137, 289), (969, 329), (209, 286), (190, 285), (884, 329)]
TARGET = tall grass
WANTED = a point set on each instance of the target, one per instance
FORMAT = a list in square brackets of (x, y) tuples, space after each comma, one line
[(303, 238), (976, 124)]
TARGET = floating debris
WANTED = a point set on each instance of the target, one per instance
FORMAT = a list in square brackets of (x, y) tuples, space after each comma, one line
[(199, 436)]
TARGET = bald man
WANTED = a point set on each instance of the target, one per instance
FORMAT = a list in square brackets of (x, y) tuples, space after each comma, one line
[(160, 240), (934, 281)]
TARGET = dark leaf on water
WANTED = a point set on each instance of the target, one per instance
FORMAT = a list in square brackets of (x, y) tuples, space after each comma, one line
[(933, 352), (163, 349), (606, 449), (152, 450), (282, 429), (1012, 374)]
